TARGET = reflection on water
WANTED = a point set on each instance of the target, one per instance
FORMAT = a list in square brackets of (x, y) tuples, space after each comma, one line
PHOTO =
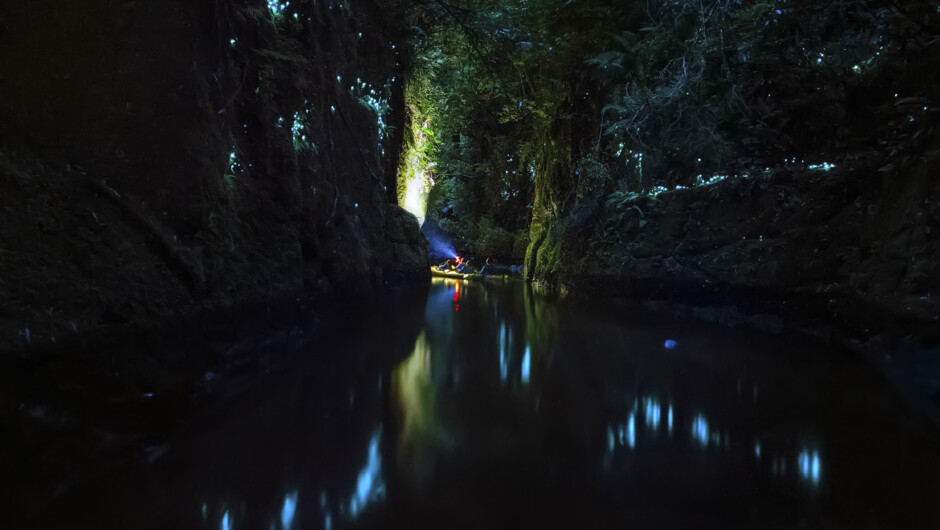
[(700, 430), (526, 365), (369, 486), (327, 516), (524, 330), (490, 406), (583, 375), (809, 466), (504, 348), (652, 413), (415, 390), (631, 430), (415, 393), (287, 511)]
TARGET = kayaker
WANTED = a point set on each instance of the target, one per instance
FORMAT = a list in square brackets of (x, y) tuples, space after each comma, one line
[(483, 271)]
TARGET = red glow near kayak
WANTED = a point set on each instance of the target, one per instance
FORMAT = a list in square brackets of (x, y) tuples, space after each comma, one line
[(457, 291)]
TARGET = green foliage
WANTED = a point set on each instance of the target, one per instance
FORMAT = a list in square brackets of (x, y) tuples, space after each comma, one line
[(621, 199), (418, 160), (593, 177), (540, 105), (494, 240), (466, 82)]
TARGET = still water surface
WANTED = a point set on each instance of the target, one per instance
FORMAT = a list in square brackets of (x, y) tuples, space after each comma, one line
[(501, 408)]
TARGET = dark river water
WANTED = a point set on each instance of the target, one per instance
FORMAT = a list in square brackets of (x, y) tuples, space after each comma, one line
[(488, 406)]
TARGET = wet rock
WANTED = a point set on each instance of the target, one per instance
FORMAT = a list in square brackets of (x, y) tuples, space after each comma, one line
[(407, 249)]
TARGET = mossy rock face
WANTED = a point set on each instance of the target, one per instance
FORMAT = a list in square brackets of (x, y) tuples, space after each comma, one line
[(407, 249), (519, 245), (821, 249), (208, 185), (401, 226)]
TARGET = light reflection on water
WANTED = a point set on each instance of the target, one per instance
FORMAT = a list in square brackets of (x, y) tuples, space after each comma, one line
[(518, 401), (369, 487), (704, 435), (526, 365), (518, 343), (652, 413), (700, 430), (631, 430), (287, 511), (504, 348), (809, 463)]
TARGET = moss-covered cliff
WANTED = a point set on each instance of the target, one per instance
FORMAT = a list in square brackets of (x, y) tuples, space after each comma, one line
[(770, 166), (840, 251), (160, 157)]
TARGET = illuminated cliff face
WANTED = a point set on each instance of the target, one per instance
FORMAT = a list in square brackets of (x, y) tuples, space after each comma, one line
[(415, 177), (415, 199)]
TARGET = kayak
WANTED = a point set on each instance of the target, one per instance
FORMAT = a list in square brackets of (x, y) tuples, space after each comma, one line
[(453, 274)]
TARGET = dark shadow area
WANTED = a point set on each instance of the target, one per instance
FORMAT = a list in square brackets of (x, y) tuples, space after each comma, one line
[(75, 428)]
